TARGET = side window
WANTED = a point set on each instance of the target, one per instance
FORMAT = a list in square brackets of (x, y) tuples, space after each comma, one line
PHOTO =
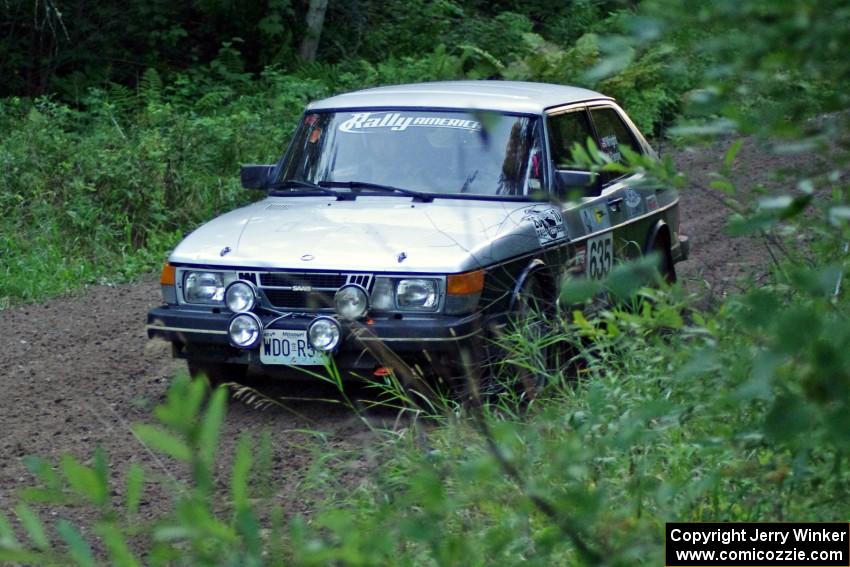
[(613, 132), (564, 131)]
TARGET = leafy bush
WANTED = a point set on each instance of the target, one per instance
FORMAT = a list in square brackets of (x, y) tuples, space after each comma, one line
[(105, 191), (643, 81)]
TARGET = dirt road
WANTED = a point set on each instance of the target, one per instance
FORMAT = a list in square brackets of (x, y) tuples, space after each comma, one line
[(76, 371)]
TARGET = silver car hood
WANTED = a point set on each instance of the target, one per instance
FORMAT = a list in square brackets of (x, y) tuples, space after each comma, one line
[(372, 233)]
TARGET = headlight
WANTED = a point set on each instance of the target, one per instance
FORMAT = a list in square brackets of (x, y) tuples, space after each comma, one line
[(351, 302), (405, 294), (245, 330), (324, 333), (240, 296), (417, 294), (205, 287)]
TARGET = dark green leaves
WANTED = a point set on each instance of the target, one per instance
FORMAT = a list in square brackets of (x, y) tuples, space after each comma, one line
[(134, 490), (163, 442), (90, 483), (79, 549)]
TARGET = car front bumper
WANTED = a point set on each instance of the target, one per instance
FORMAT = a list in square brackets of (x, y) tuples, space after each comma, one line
[(201, 334)]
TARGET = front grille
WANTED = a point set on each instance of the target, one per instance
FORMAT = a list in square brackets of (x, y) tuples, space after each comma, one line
[(313, 300), (283, 279), (362, 280), (310, 291)]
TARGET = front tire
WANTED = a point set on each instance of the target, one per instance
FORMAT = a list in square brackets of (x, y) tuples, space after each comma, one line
[(537, 319), (531, 353)]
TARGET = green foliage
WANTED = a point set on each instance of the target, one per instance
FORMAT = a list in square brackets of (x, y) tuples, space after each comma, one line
[(102, 194), (643, 80), (72, 50), (763, 65)]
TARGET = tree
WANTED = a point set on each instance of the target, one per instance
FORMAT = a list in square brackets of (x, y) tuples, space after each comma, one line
[(315, 21)]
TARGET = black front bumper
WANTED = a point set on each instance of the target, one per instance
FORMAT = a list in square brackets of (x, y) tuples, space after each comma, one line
[(201, 334)]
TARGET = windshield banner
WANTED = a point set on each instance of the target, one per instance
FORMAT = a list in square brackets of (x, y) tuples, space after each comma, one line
[(361, 122)]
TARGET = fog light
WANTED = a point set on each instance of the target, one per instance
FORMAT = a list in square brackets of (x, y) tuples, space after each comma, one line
[(245, 330), (351, 302), (324, 333), (240, 296)]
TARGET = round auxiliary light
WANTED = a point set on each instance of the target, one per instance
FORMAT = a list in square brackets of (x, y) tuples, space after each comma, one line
[(245, 330), (240, 296), (324, 333), (351, 302)]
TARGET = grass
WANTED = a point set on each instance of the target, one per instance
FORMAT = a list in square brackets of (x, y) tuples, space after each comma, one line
[(39, 264)]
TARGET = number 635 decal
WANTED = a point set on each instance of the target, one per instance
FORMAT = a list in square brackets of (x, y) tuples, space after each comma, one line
[(600, 256)]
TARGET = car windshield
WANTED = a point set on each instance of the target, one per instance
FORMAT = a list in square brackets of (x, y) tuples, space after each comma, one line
[(431, 151)]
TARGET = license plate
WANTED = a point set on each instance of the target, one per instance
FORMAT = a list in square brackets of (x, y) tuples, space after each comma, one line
[(288, 347)]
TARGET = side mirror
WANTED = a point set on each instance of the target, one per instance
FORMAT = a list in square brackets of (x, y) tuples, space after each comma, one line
[(570, 180), (256, 176)]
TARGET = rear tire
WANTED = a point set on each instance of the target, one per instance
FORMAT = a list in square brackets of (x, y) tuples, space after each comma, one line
[(666, 267)]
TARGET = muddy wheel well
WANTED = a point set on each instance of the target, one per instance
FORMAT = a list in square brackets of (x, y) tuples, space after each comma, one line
[(660, 239), (660, 233), (538, 270)]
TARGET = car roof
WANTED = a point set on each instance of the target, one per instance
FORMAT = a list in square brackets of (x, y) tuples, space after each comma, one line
[(502, 96)]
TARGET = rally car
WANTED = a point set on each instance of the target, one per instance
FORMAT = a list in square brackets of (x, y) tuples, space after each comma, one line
[(412, 220)]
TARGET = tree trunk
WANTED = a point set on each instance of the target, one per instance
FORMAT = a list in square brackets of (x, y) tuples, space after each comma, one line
[(315, 21)]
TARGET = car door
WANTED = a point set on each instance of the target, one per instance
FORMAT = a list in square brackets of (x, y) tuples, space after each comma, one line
[(632, 205), (566, 127), (596, 215)]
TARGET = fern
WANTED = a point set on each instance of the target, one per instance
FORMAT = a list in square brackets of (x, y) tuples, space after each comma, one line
[(150, 87), (120, 97)]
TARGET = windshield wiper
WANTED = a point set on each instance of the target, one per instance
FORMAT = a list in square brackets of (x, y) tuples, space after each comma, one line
[(469, 181), (423, 197), (298, 183)]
